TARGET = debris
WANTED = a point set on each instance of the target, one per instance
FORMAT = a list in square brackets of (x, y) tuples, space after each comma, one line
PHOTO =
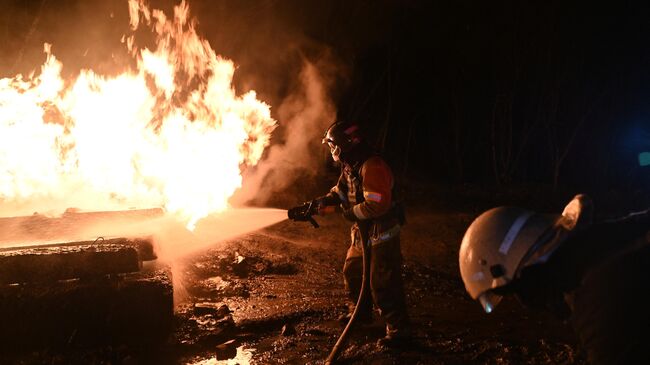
[(240, 266), (226, 321), (282, 268), (203, 308), (223, 311), (227, 350), (288, 330), (215, 309), (216, 283)]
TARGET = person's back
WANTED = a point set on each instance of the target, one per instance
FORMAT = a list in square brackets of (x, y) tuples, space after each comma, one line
[(610, 309), (599, 275)]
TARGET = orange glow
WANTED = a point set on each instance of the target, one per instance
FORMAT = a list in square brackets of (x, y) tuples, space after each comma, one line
[(171, 133)]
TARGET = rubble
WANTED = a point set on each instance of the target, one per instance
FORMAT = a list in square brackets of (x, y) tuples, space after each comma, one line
[(215, 309), (226, 350), (240, 266)]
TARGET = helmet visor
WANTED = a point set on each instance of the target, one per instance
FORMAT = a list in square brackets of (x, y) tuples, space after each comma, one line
[(489, 300)]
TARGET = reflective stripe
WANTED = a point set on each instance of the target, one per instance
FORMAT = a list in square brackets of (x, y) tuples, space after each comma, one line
[(372, 196), (513, 232), (386, 235), (358, 213)]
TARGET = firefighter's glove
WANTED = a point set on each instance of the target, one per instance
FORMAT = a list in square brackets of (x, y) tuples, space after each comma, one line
[(303, 213), (349, 215), (320, 206), (317, 206)]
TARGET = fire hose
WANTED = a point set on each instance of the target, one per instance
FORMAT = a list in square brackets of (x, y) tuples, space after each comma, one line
[(304, 213), (363, 293)]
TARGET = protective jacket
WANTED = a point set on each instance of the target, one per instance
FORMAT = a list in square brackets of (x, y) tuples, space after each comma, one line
[(598, 280), (367, 188)]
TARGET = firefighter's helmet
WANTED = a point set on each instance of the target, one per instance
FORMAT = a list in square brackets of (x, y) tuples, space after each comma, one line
[(504, 240), (341, 137)]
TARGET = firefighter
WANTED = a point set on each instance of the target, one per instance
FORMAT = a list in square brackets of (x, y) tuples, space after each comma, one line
[(593, 275), (365, 192)]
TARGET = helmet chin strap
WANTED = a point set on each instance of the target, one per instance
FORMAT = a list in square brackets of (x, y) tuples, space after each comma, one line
[(336, 153)]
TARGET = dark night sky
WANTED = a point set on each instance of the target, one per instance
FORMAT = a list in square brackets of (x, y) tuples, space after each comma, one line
[(454, 91)]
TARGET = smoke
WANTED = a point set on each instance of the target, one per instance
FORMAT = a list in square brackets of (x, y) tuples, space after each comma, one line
[(83, 34), (303, 115)]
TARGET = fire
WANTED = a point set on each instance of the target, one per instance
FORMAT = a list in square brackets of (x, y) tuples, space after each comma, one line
[(172, 132)]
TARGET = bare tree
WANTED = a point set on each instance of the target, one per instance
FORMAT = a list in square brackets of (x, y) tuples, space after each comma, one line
[(458, 132), (562, 137), (508, 143)]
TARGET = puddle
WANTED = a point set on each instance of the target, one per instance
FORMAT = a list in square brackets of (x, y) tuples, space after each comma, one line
[(243, 357)]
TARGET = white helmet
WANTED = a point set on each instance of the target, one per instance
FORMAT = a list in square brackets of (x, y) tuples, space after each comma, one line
[(502, 241)]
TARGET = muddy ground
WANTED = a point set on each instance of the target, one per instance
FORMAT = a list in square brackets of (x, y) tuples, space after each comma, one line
[(294, 280), (273, 297)]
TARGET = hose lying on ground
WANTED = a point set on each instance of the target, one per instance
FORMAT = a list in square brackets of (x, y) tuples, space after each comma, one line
[(365, 250)]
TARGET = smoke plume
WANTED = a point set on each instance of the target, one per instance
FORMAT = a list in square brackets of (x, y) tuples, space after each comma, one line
[(304, 115)]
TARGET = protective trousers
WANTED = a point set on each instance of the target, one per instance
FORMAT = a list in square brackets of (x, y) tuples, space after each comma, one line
[(385, 281)]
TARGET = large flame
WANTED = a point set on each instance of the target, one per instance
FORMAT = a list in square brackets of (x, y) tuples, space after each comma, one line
[(170, 133)]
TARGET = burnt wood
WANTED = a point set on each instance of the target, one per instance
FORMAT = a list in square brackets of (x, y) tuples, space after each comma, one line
[(71, 261)]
